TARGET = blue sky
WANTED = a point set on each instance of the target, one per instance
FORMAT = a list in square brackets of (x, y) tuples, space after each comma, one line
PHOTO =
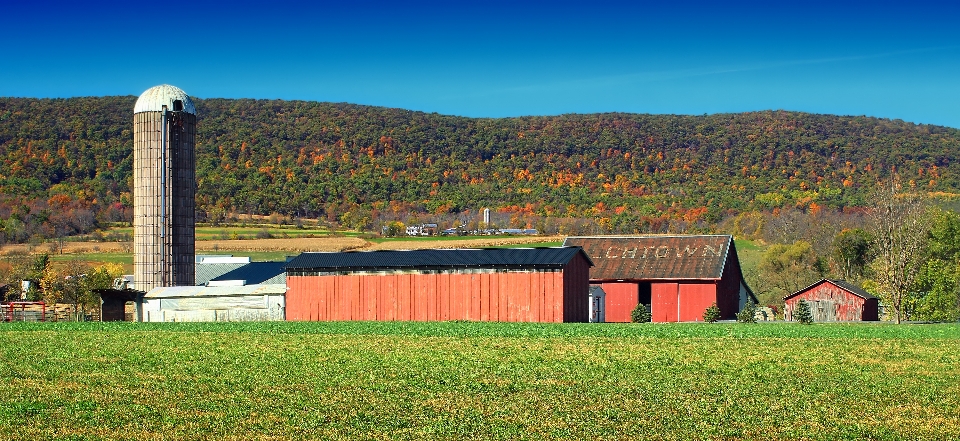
[(496, 59)]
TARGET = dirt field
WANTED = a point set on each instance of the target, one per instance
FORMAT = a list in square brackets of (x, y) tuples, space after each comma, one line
[(305, 244)]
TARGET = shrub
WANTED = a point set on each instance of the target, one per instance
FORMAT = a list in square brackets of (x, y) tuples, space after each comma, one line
[(802, 313), (711, 314), (748, 314), (640, 314)]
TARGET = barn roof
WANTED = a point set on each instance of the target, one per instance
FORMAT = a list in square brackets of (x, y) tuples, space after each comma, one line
[(842, 284), (656, 257), (541, 258)]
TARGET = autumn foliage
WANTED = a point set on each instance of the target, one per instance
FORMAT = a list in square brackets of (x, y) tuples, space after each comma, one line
[(71, 158)]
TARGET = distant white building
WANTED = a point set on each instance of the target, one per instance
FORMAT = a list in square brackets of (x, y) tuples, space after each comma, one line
[(422, 230)]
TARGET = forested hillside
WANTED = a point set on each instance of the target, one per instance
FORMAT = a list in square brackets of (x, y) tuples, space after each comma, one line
[(67, 163)]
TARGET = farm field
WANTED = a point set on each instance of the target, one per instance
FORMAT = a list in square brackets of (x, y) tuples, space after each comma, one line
[(277, 249), (459, 380)]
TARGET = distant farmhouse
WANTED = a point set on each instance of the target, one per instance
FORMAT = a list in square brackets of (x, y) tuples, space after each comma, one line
[(422, 230)]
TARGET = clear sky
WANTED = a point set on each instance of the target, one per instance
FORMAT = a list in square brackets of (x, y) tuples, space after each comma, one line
[(898, 60)]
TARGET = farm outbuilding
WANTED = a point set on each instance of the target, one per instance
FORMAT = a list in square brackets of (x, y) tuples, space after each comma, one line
[(264, 302), (679, 277), (835, 301), (508, 285)]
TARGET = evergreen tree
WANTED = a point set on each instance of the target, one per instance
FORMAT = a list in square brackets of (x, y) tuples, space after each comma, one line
[(748, 314), (802, 313), (640, 314), (711, 314)]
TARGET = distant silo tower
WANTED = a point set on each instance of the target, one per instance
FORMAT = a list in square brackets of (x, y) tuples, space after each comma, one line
[(164, 186)]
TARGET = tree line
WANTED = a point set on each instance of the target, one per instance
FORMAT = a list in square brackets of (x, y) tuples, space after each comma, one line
[(67, 164), (905, 249)]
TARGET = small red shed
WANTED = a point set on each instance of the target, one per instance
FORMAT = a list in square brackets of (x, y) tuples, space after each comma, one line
[(678, 276), (835, 301), (504, 284)]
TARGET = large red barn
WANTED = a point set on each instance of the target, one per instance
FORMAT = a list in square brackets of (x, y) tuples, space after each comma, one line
[(508, 285), (679, 277), (834, 301)]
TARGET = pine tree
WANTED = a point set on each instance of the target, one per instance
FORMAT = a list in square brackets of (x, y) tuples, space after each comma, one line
[(802, 313), (711, 314), (748, 314), (640, 314)]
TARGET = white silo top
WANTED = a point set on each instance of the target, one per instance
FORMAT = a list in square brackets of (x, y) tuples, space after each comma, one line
[(156, 97)]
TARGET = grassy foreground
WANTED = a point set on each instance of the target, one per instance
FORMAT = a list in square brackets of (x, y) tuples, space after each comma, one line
[(478, 381)]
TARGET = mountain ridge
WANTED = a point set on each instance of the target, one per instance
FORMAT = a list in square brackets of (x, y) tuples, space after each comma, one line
[(351, 162)]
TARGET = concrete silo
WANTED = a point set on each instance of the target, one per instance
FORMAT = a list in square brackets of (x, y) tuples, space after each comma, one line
[(164, 186)]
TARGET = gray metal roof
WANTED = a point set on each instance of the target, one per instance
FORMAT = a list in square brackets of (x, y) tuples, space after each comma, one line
[(154, 98), (206, 272), (255, 273), (552, 257)]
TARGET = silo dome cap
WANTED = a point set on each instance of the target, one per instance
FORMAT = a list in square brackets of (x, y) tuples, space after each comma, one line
[(156, 97)]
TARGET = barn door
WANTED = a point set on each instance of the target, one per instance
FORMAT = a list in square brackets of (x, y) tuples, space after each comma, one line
[(665, 302)]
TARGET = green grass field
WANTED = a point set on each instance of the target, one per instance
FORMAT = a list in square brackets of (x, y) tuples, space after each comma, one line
[(455, 380), (750, 253)]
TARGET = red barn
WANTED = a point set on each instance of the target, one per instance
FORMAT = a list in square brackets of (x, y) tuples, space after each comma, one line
[(835, 301), (679, 277), (508, 285)]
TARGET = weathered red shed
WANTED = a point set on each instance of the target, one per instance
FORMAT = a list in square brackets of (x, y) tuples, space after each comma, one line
[(679, 277), (509, 285), (835, 301)]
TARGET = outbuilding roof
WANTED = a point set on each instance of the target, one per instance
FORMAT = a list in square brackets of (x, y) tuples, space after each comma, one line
[(215, 291), (542, 258), (842, 284), (206, 272), (694, 257), (251, 272), (256, 273)]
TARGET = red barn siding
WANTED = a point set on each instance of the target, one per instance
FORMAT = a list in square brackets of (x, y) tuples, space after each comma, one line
[(663, 302), (528, 296), (621, 298), (728, 287), (694, 299), (576, 287)]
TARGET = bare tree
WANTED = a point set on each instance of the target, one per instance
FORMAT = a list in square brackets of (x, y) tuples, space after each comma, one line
[(900, 228)]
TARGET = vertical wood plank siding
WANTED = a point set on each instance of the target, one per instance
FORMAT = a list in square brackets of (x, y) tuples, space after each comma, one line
[(694, 300), (515, 296), (620, 300), (830, 303)]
